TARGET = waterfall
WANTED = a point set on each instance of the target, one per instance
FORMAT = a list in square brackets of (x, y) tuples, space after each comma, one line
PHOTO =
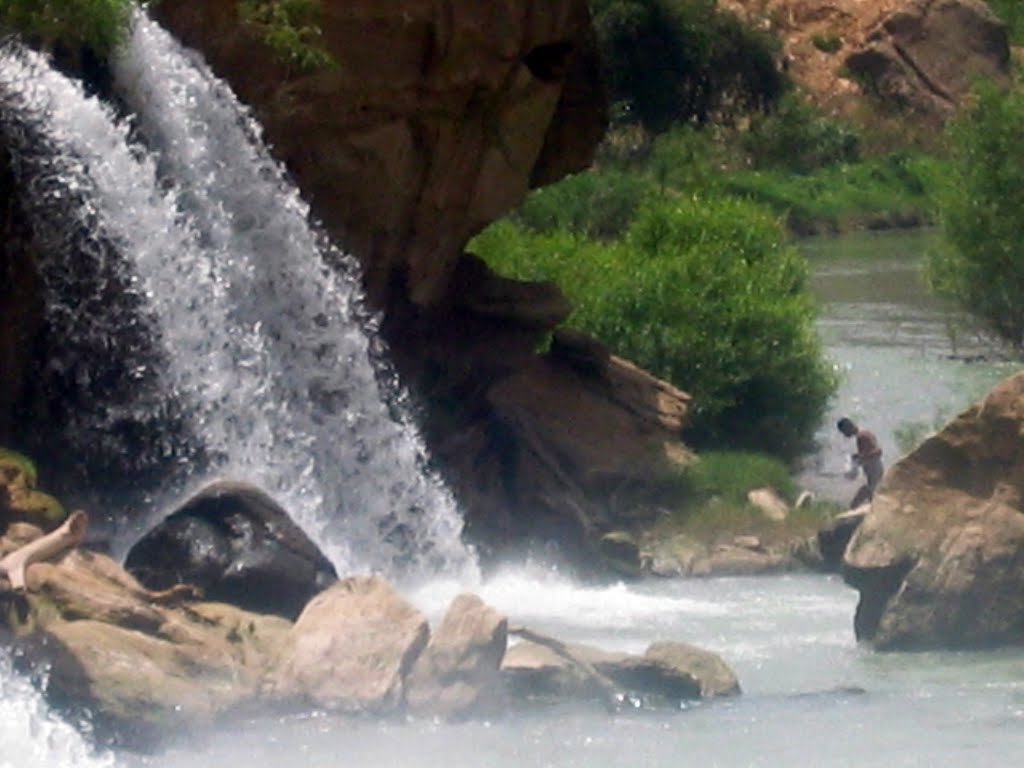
[(263, 350)]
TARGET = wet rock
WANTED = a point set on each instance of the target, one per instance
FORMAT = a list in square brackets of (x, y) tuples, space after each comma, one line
[(939, 558), (350, 650), (236, 544), (141, 664), (834, 536), (667, 672), (773, 506), (458, 673)]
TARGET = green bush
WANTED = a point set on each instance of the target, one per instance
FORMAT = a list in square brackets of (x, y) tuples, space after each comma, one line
[(597, 204), (731, 475), (677, 60), (704, 293), (982, 270), (1012, 12), (794, 136), (291, 29), (898, 187), (99, 24)]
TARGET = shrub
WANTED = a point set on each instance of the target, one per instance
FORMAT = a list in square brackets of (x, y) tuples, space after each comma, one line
[(982, 214), (730, 475), (677, 60), (99, 24), (827, 43), (704, 293), (291, 29), (1011, 12), (795, 137), (597, 204)]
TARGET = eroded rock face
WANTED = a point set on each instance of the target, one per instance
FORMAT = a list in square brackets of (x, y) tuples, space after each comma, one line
[(435, 121), (924, 56), (939, 559)]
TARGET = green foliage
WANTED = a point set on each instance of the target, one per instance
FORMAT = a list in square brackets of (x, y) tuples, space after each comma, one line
[(795, 137), (677, 60), (827, 43), (1011, 12), (99, 24), (291, 29), (704, 293), (897, 188), (598, 204), (731, 475), (982, 270)]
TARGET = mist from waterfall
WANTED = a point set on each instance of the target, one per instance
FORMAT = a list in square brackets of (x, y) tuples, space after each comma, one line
[(263, 342)]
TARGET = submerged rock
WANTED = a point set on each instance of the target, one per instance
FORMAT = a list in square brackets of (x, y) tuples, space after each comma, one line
[(667, 671), (939, 559), (236, 544)]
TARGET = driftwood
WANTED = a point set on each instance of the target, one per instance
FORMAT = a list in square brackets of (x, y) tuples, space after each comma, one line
[(610, 693), (68, 535)]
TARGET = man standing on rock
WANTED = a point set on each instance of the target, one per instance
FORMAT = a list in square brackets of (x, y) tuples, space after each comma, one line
[(868, 457)]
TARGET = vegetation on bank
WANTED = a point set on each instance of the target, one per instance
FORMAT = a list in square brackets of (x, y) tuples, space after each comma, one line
[(981, 267)]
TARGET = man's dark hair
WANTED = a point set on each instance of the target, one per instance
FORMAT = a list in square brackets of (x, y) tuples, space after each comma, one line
[(844, 424)]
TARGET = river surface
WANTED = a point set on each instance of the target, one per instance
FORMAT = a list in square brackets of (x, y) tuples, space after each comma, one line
[(907, 362)]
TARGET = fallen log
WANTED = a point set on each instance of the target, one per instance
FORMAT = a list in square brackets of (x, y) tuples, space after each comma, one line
[(70, 534), (610, 693)]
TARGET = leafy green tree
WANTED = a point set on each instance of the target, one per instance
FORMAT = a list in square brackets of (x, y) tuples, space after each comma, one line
[(705, 293), (98, 24), (676, 60), (982, 213)]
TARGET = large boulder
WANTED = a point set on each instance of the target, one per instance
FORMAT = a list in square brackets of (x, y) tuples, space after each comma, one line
[(458, 673), (939, 559), (138, 664), (350, 650), (924, 56), (239, 546)]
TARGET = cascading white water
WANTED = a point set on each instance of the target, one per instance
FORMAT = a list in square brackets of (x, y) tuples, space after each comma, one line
[(257, 314)]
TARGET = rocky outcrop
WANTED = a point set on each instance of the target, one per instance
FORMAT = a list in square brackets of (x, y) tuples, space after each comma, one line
[(924, 56), (141, 665), (918, 56), (939, 559), (238, 546)]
